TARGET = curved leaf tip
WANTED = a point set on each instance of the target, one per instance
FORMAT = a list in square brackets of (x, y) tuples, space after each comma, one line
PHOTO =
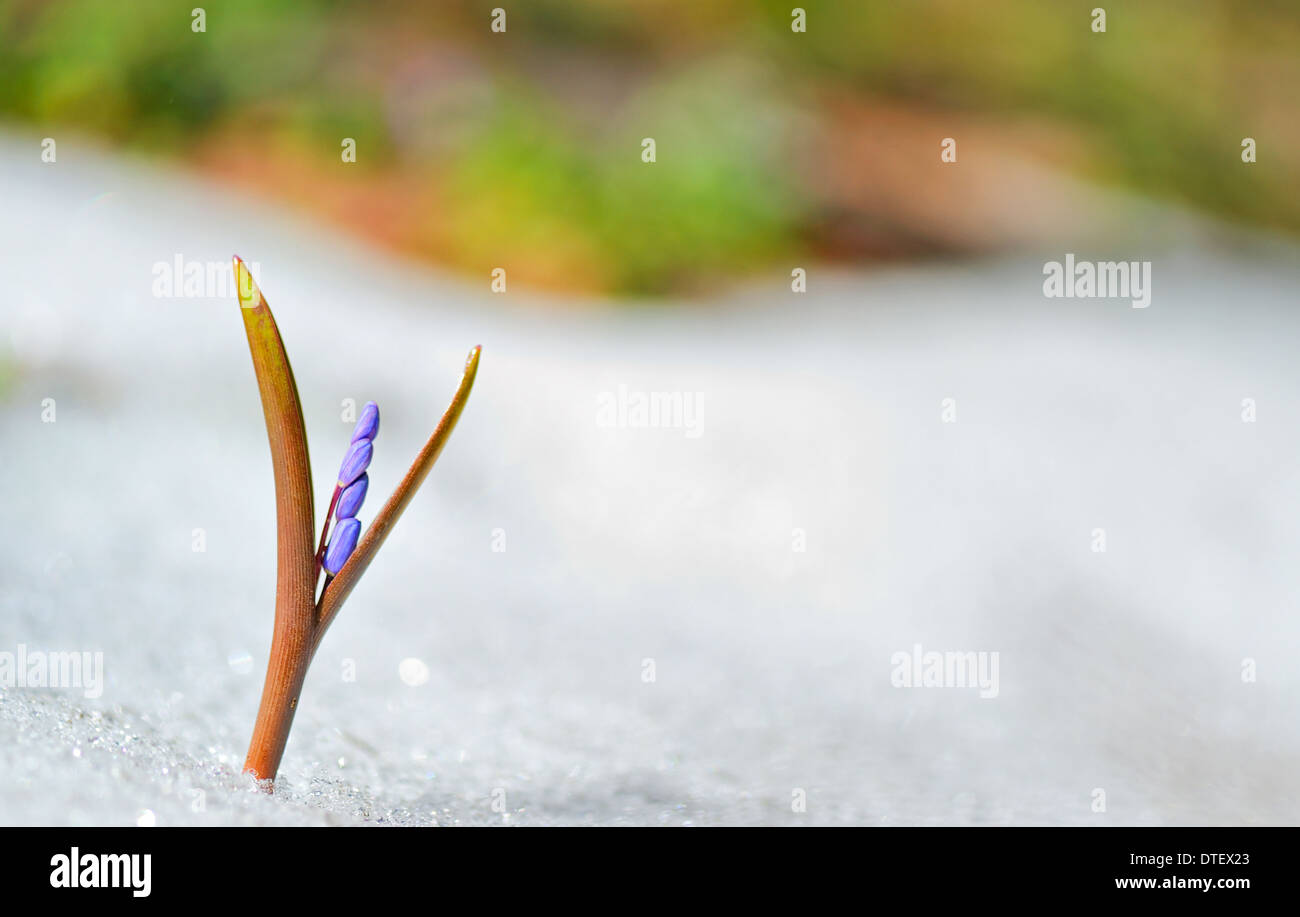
[(250, 296)]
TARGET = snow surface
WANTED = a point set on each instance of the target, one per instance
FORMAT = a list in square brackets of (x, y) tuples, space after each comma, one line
[(516, 676)]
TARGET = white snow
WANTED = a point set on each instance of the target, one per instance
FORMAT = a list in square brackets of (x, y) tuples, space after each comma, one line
[(508, 686)]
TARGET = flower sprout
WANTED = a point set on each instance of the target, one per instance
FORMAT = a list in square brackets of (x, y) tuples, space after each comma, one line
[(355, 462), (350, 493), (352, 497), (368, 425), (342, 544)]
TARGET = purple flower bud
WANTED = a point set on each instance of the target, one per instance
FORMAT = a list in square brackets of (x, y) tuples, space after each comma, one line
[(368, 426), (352, 497), (356, 461), (342, 543)]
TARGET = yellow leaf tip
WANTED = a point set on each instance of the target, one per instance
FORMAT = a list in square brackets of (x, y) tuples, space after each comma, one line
[(245, 286)]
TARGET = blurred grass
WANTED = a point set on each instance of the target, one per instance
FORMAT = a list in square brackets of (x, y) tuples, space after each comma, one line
[(8, 374), (523, 149)]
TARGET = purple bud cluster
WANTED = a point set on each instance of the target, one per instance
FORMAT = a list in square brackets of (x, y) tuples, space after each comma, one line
[(353, 482)]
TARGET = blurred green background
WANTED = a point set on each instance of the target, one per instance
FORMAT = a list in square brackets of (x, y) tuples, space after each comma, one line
[(523, 149)]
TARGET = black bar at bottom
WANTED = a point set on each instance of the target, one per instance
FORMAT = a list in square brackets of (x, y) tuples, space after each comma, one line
[(318, 865)]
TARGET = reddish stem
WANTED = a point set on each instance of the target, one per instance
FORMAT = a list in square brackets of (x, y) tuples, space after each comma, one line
[(325, 529)]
